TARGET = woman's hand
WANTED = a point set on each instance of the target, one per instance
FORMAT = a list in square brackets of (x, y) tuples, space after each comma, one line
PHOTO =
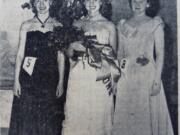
[(156, 87), (111, 86), (77, 46), (114, 87), (59, 90), (17, 89), (70, 52)]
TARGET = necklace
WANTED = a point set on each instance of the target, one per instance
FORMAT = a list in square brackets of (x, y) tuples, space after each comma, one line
[(42, 23)]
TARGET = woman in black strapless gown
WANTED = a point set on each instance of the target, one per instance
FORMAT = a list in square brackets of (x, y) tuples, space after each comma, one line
[(39, 77)]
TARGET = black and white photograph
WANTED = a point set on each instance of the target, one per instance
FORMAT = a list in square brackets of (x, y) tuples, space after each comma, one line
[(89, 67)]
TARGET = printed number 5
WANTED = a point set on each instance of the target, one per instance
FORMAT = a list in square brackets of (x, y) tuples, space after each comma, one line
[(28, 62)]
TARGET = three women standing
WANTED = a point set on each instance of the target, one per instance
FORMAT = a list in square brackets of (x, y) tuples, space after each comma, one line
[(141, 107), (38, 76)]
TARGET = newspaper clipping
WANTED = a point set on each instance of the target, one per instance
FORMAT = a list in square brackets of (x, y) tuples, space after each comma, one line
[(88, 67)]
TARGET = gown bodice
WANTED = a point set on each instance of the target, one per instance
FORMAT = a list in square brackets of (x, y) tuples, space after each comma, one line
[(138, 41), (45, 71)]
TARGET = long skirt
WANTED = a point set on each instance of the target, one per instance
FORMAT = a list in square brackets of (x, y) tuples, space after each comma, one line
[(88, 108)]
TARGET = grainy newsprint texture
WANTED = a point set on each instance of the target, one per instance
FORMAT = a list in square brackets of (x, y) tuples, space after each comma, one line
[(12, 14)]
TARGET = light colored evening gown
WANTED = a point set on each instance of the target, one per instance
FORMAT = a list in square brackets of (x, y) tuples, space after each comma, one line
[(136, 112), (88, 105)]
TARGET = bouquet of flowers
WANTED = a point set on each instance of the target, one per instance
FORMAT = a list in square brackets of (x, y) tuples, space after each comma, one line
[(69, 11), (98, 54)]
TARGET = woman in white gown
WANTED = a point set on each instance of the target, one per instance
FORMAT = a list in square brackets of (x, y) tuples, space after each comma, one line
[(88, 105), (141, 107)]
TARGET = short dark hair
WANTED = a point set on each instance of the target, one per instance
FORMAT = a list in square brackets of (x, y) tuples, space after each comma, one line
[(153, 9)]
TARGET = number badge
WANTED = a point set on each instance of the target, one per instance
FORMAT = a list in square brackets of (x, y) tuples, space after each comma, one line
[(29, 63)]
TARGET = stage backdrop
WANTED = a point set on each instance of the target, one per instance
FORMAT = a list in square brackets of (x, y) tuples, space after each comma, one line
[(11, 17)]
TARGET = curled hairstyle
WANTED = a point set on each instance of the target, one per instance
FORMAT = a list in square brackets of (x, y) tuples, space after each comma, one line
[(53, 7), (153, 9), (32, 2)]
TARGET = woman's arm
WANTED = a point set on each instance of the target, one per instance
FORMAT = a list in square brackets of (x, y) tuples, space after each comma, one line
[(19, 58), (159, 51), (113, 38), (120, 48), (114, 71), (61, 68)]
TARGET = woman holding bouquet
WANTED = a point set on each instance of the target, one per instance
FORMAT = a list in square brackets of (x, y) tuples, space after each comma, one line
[(89, 104), (141, 107), (38, 76)]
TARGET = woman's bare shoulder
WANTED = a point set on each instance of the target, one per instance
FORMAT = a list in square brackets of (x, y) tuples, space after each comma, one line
[(158, 21), (27, 24), (109, 25)]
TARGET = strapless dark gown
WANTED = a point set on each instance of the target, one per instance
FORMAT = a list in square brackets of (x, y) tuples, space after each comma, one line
[(37, 111)]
